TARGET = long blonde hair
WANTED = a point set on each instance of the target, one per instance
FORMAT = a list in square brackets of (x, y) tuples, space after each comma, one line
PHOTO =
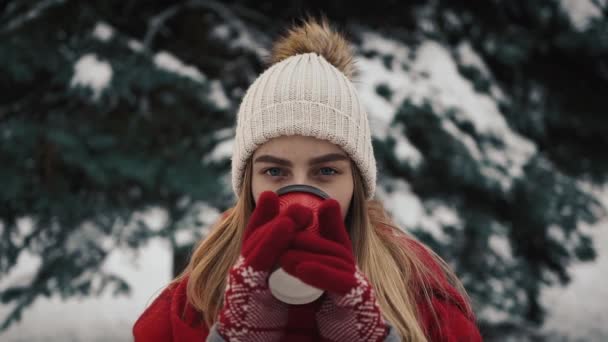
[(401, 280)]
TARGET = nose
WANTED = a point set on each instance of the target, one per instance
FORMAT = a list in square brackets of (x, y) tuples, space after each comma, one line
[(301, 178)]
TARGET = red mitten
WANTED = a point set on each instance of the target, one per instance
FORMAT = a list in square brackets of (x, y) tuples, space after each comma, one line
[(350, 311), (250, 312)]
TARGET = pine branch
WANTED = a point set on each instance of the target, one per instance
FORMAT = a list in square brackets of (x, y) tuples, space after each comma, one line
[(156, 22), (252, 15), (30, 15), (226, 14), (15, 315), (250, 34)]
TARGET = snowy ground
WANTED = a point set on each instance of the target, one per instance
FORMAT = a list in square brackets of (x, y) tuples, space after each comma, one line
[(580, 311), (101, 319)]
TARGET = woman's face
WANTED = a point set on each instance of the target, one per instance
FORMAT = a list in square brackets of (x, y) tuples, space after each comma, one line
[(298, 159)]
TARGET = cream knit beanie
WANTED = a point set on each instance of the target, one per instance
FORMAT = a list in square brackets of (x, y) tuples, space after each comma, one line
[(304, 94)]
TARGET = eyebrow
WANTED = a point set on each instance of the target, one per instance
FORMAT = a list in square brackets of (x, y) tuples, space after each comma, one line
[(317, 160)]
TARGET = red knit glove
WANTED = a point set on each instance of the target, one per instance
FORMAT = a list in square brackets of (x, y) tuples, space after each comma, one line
[(350, 311), (250, 311)]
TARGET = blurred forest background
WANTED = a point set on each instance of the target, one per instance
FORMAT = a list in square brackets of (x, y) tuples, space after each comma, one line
[(117, 118)]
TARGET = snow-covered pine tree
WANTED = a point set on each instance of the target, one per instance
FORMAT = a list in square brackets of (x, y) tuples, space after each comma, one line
[(488, 123), (492, 128), (103, 116)]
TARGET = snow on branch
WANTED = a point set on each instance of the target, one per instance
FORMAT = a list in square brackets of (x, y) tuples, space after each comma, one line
[(91, 72), (167, 61), (103, 31), (429, 74)]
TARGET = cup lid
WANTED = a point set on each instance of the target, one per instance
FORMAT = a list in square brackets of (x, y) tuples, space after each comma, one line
[(302, 188)]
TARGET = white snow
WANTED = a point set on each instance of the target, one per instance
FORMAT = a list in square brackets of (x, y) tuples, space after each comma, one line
[(436, 217), (95, 319), (579, 310), (402, 203), (410, 212), (103, 31), (221, 32), (135, 45), (223, 150), (454, 91), (373, 73), (196, 224), (464, 138), (432, 76), (382, 111), (207, 214), (582, 11), (218, 96), (468, 57), (225, 133), (499, 243), (167, 61), (22, 273), (447, 216), (25, 226), (492, 315), (89, 234), (156, 218), (244, 39), (556, 233), (404, 150), (184, 237), (91, 72)]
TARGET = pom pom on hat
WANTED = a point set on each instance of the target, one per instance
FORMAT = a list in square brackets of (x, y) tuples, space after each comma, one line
[(318, 37)]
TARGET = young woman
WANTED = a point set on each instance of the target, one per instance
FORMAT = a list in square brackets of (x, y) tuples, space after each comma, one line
[(302, 122)]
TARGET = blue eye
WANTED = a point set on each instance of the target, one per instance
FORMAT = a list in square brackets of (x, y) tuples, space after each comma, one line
[(330, 172), (270, 173)]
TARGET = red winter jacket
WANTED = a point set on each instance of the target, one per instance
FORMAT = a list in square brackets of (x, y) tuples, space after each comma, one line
[(171, 318)]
